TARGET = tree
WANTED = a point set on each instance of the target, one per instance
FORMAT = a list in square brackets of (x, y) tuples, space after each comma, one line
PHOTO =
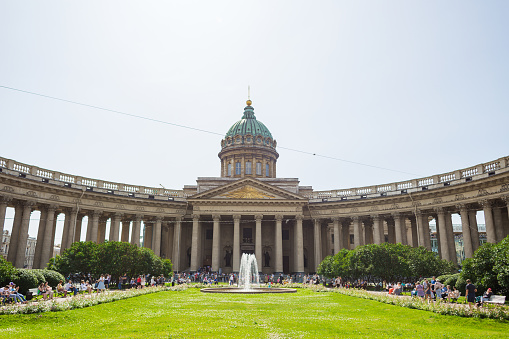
[(81, 257), (489, 267)]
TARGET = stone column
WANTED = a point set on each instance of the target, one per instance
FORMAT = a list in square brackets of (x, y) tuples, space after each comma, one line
[(13, 246), (194, 243), (40, 238), (101, 230), (47, 246), (497, 221), (356, 232), (377, 229), (95, 225), (391, 230), (72, 226), (156, 237), (474, 230), (216, 237), (148, 234), (400, 227), (77, 231), (67, 226), (136, 234), (337, 234), (465, 228), (450, 238), (279, 244), (442, 229), (115, 226), (236, 243), (23, 234), (318, 242), (491, 235), (4, 201), (126, 225), (413, 223), (299, 244), (505, 198), (420, 228), (176, 244), (368, 231), (258, 239)]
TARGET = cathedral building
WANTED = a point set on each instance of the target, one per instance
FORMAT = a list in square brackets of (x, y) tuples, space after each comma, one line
[(248, 209)]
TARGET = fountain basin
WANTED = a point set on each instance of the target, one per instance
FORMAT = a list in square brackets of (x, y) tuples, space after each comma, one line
[(254, 290)]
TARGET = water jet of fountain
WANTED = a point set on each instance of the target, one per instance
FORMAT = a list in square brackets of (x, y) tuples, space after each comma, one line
[(248, 273)]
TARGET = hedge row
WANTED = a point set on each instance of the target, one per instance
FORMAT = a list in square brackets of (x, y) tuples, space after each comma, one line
[(25, 278)]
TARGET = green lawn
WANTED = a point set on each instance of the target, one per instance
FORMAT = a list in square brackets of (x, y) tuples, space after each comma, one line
[(190, 314)]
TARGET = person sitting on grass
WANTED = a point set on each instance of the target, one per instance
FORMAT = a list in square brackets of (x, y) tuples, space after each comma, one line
[(61, 289), (69, 287)]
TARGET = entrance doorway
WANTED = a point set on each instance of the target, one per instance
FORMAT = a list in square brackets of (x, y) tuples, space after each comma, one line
[(286, 264)]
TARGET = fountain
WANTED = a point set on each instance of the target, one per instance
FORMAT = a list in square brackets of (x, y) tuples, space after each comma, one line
[(249, 280)]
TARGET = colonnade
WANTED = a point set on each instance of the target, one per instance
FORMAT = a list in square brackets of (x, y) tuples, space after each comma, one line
[(120, 227), (164, 235), (237, 242), (412, 227)]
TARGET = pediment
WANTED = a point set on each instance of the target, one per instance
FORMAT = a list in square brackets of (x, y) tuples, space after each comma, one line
[(247, 189)]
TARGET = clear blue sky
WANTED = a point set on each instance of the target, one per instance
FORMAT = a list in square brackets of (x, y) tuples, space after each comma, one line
[(415, 86)]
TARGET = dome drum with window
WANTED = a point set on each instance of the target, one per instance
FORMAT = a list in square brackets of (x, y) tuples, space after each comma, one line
[(248, 149)]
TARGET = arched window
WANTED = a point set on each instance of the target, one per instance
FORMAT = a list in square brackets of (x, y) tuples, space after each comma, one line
[(258, 168), (237, 168), (248, 167), (266, 170)]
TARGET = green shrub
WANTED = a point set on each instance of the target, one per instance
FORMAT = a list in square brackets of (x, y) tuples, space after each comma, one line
[(26, 280), (461, 283), (452, 280), (52, 277), (7, 272), (40, 277)]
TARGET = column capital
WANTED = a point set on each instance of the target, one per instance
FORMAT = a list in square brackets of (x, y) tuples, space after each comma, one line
[(52, 208), (396, 214), (335, 219), (505, 198), (236, 217), (375, 217), (195, 217), (216, 217), (159, 218), (418, 213), (439, 210), (138, 217), (485, 203), (279, 217), (96, 213), (29, 203), (356, 218), (4, 199), (299, 217), (461, 207), (178, 219), (258, 217)]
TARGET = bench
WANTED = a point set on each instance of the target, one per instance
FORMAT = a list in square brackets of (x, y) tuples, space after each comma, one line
[(496, 299)]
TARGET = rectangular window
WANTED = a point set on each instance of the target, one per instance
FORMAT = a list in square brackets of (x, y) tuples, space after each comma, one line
[(248, 167), (229, 170), (237, 168), (258, 168), (266, 170)]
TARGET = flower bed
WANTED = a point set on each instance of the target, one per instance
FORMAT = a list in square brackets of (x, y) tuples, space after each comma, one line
[(83, 301), (487, 311)]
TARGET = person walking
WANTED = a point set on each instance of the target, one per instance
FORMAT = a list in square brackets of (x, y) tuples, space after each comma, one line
[(470, 293)]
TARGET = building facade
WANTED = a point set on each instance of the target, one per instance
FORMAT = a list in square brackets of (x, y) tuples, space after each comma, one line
[(248, 209)]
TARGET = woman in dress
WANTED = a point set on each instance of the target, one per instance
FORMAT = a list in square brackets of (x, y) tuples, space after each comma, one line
[(100, 285)]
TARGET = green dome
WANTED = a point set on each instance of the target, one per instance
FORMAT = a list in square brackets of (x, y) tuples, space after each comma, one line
[(248, 125)]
